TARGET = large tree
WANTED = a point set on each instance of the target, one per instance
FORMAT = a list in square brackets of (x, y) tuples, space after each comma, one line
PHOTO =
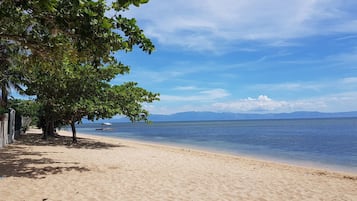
[(67, 57), (75, 91)]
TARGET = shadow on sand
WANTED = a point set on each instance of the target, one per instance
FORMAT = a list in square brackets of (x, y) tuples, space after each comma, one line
[(35, 139), (17, 160)]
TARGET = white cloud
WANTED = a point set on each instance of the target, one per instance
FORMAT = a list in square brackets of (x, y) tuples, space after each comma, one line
[(213, 25), (215, 93), (290, 86), (261, 104), (347, 37), (201, 96), (349, 80), (338, 102), (186, 88), (345, 58), (342, 84), (149, 76)]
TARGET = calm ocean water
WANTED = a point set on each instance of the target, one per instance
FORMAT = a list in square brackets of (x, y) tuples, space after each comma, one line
[(329, 143)]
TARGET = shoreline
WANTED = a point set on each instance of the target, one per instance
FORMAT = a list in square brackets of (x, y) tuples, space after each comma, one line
[(267, 159), (208, 151), (106, 168)]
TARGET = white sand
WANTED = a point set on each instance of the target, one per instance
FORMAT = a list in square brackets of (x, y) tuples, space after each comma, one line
[(102, 168)]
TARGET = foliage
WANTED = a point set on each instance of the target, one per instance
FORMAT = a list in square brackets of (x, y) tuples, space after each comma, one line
[(24, 107), (8, 78), (3, 110), (77, 91), (66, 50), (40, 24)]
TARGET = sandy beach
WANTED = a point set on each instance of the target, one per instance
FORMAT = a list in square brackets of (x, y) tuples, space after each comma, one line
[(100, 168)]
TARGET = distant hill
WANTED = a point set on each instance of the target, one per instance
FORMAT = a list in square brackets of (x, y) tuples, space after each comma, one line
[(207, 116)]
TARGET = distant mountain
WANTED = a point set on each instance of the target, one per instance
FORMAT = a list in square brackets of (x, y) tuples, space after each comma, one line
[(206, 116), (211, 116)]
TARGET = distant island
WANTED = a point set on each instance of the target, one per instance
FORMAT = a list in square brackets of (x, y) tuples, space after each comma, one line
[(216, 116)]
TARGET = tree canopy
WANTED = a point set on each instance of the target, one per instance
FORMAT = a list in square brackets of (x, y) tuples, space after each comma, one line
[(66, 50), (38, 24)]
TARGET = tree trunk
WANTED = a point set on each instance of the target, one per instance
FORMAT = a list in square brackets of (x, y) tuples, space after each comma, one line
[(74, 133), (4, 95), (45, 129), (48, 128), (51, 128)]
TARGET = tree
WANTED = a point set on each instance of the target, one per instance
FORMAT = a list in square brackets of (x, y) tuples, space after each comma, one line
[(8, 78), (67, 42), (24, 107), (39, 24), (72, 91), (77, 91), (27, 109), (101, 100)]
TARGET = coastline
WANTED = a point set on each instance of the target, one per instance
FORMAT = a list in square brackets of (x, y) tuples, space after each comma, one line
[(315, 143), (262, 158), (105, 168), (223, 153)]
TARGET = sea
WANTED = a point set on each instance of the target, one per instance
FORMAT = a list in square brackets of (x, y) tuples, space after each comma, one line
[(324, 143)]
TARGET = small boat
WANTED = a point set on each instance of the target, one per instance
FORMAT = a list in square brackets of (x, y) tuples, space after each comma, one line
[(105, 126)]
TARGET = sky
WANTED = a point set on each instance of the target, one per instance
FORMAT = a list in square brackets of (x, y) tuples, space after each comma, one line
[(247, 56)]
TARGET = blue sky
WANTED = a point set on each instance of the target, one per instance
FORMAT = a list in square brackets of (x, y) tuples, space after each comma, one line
[(248, 56)]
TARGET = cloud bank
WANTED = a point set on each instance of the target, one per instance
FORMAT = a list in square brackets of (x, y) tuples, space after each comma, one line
[(214, 25), (264, 104)]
